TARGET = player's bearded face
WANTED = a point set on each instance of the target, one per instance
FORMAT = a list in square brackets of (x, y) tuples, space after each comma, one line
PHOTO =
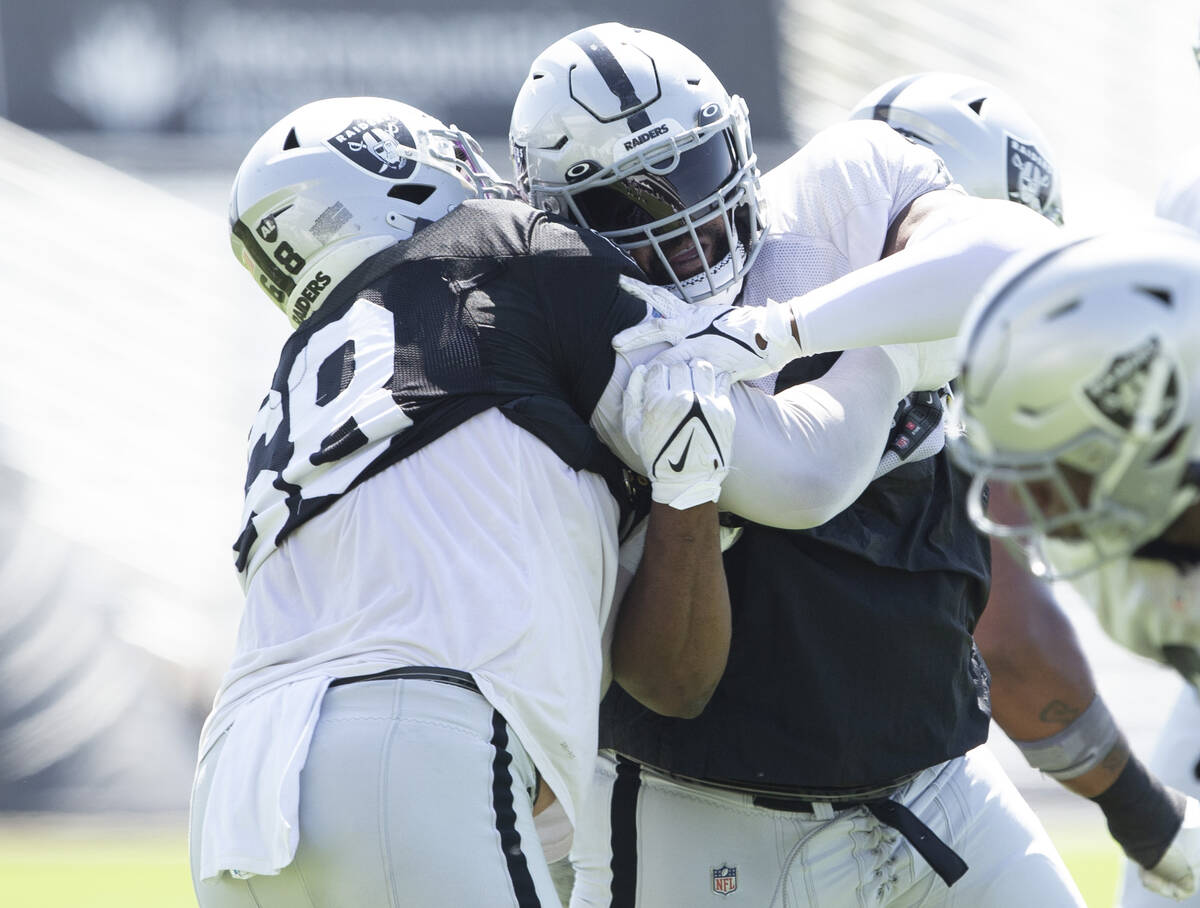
[(682, 253)]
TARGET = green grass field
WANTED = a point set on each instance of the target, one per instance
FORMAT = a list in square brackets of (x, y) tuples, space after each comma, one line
[(44, 866)]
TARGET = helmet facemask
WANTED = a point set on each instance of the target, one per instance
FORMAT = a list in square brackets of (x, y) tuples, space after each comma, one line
[(627, 132), (466, 155), (687, 206), (682, 196), (1095, 498)]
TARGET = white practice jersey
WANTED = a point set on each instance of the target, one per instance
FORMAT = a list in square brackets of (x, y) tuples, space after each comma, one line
[(476, 577), (830, 205), (1145, 604)]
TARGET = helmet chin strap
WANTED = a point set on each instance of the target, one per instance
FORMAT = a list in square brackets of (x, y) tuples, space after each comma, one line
[(721, 271)]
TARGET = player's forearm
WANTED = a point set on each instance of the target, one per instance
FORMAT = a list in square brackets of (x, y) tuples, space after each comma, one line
[(671, 639), (922, 292), (1041, 681), (1044, 698), (804, 455)]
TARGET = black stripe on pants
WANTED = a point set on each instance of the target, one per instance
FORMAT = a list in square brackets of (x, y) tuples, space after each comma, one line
[(506, 818), (624, 842)]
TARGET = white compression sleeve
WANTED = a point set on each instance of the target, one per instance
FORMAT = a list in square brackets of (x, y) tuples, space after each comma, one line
[(921, 292), (807, 453)]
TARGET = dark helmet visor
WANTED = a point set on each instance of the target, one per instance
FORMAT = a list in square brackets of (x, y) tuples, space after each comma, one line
[(646, 197)]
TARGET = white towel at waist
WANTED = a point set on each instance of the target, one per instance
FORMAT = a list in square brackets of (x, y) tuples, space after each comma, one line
[(252, 817)]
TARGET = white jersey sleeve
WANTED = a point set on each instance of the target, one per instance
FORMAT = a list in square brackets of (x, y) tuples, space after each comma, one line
[(1144, 604), (846, 186)]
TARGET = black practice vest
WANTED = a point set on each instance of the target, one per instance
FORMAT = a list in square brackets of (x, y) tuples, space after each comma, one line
[(852, 663), (494, 305)]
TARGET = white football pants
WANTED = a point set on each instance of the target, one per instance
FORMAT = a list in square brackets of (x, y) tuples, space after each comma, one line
[(1176, 762), (415, 793), (699, 846)]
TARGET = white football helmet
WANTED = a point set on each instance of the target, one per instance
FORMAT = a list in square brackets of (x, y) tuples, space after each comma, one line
[(338, 180), (629, 133), (1079, 392), (989, 144)]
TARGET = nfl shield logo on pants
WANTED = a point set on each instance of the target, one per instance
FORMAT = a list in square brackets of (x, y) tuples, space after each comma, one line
[(724, 879)]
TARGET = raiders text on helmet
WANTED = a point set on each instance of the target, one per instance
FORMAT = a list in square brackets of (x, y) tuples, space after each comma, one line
[(1079, 391), (338, 180), (629, 133), (989, 144)]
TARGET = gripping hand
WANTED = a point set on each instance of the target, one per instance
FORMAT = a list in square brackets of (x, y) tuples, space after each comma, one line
[(680, 421), (745, 341), (1177, 874)]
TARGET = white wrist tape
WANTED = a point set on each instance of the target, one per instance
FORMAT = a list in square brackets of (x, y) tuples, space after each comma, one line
[(1079, 747)]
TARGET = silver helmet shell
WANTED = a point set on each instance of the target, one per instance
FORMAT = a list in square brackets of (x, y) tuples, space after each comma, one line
[(990, 145), (338, 180), (1079, 392), (629, 133)]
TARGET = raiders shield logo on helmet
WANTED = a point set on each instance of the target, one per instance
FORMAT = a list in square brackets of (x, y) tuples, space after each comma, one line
[(379, 146), (1118, 391), (1030, 176)]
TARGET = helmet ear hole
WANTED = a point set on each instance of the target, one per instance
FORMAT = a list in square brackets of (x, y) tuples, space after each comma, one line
[(416, 193), (977, 105), (291, 141)]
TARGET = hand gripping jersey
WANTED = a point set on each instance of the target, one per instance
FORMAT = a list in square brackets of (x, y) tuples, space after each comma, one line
[(423, 336), (852, 663)]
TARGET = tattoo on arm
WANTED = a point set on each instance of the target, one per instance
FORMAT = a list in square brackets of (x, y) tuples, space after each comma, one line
[(1058, 713)]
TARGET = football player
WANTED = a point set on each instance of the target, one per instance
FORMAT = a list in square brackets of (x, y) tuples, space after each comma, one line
[(836, 762), (1176, 756), (428, 532), (429, 539), (1079, 397), (1043, 693)]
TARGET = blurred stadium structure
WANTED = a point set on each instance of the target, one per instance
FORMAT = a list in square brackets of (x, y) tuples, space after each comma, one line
[(134, 351)]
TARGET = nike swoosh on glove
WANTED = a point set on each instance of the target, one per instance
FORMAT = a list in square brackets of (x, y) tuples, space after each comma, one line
[(1177, 874), (745, 341), (679, 420)]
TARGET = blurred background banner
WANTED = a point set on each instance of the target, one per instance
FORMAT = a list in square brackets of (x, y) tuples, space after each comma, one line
[(211, 68)]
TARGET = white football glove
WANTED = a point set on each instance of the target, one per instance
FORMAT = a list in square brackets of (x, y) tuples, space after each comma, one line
[(679, 419), (745, 341), (1177, 874)]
